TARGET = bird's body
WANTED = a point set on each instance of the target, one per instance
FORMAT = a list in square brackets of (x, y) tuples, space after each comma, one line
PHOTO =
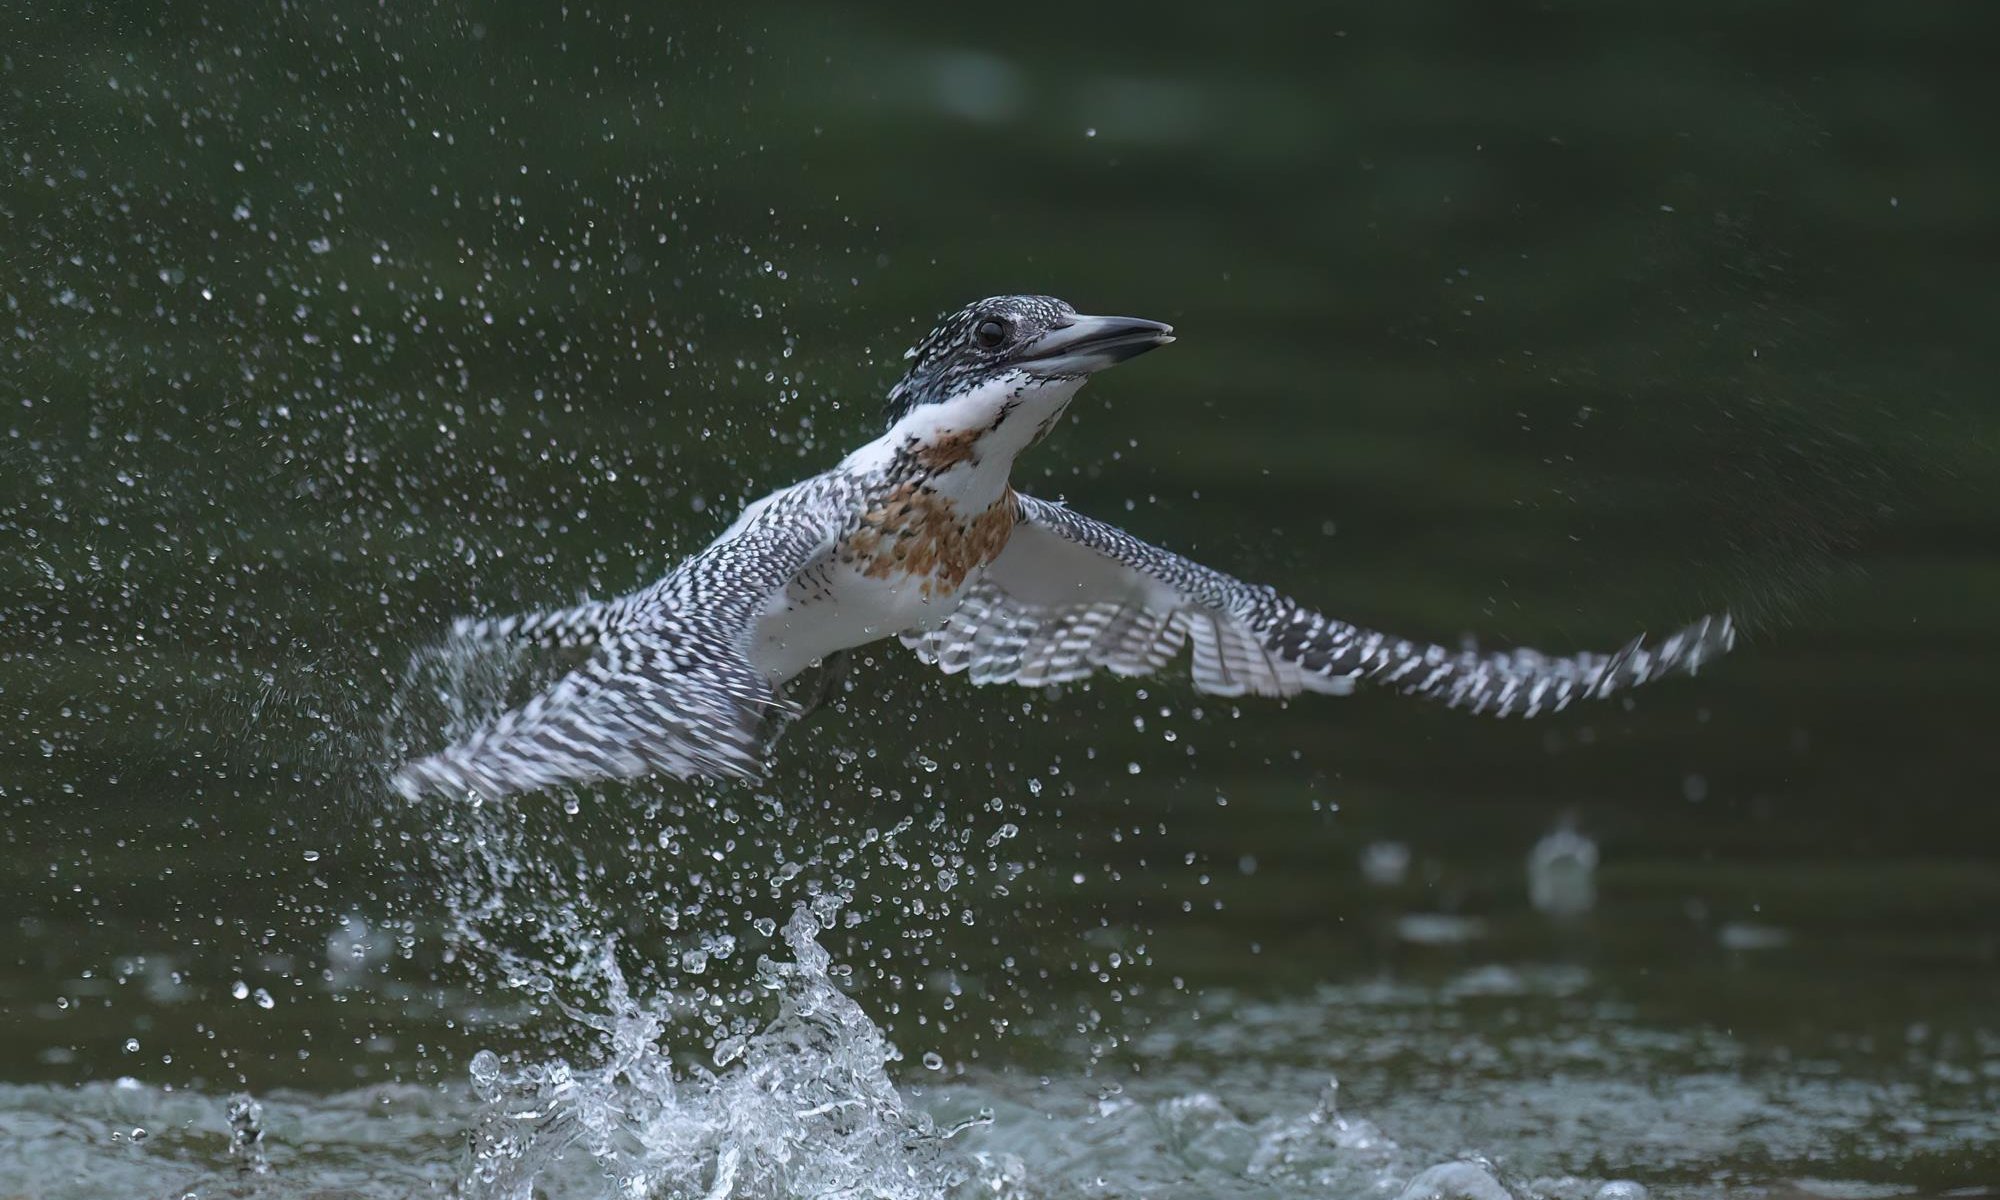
[(920, 535), (911, 520)]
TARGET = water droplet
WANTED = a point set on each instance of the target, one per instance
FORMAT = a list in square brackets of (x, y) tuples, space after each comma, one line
[(484, 1070), (240, 990), (933, 1061)]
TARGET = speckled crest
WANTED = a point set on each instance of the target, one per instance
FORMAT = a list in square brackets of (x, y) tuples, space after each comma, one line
[(948, 361)]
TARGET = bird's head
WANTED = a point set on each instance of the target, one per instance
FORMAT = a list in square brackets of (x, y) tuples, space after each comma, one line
[(1009, 358)]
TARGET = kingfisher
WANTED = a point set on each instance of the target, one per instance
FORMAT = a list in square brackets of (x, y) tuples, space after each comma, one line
[(920, 535)]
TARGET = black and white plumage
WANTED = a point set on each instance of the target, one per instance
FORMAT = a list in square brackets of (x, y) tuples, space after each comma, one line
[(918, 535), (668, 687), (1072, 595)]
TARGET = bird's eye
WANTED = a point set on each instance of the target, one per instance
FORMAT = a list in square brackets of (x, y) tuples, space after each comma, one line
[(990, 332)]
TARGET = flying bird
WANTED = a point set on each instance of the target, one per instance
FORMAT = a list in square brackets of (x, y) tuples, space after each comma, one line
[(919, 535)]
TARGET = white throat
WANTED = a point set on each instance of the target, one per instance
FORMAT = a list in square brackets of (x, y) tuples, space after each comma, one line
[(970, 441)]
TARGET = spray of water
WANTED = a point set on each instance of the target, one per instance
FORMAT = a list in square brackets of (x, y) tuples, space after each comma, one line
[(762, 1080), (802, 1106)]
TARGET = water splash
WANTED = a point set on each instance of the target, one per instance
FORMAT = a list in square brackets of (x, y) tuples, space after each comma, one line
[(802, 1106), (246, 1135)]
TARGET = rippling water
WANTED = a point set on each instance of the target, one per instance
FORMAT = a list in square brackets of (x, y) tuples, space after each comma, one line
[(1479, 1088)]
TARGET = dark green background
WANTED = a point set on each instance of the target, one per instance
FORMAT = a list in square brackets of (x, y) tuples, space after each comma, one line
[(1546, 323)]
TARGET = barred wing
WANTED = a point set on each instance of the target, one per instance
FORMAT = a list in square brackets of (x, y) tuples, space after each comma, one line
[(669, 688), (1071, 595)]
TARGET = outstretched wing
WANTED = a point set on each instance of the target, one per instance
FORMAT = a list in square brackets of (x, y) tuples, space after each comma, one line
[(586, 624), (669, 688), (1071, 595)]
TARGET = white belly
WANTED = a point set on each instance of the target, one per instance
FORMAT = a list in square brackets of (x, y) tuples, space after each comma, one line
[(832, 606)]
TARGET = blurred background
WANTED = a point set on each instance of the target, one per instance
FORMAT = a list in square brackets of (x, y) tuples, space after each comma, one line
[(1543, 324)]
